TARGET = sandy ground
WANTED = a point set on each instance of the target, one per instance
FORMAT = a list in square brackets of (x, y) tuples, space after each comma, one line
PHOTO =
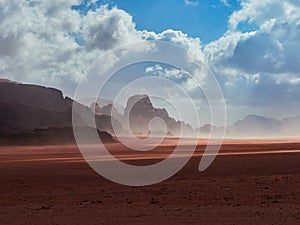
[(250, 182)]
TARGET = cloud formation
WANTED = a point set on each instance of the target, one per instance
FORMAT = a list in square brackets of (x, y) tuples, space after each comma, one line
[(47, 42), (260, 68)]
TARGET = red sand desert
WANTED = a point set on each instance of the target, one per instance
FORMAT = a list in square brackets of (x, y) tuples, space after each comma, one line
[(250, 182)]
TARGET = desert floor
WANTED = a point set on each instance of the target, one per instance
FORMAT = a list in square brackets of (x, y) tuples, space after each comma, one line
[(250, 182)]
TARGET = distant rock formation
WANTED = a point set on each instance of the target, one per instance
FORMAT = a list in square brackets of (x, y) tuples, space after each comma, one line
[(206, 130), (107, 110), (254, 126), (36, 97), (17, 118), (140, 112), (290, 126), (27, 108), (7, 81)]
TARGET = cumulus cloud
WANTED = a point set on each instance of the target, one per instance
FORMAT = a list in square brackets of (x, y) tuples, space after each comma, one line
[(260, 68), (47, 42), (105, 28), (33, 34), (257, 11), (193, 45), (271, 49)]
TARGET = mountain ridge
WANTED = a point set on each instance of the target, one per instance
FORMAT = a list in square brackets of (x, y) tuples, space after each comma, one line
[(26, 107)]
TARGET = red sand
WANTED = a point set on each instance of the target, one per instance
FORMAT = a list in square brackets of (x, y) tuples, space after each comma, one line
[(246, 184)]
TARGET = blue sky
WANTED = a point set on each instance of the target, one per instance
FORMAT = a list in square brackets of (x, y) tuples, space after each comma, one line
[(205, 19)]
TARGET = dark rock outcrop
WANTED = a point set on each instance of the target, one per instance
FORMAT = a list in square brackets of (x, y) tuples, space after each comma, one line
[(37, 97), (52, 136), (140, 111), (24, 109)]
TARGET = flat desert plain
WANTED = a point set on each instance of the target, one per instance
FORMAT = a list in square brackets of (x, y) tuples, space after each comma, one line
[(250, 182)]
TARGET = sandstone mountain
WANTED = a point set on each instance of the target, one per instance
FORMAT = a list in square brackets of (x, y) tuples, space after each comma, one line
[(140, 112), (254, 126), (28, 108)]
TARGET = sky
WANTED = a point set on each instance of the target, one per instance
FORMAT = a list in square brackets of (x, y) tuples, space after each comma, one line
[(205, 19), (251, 46)]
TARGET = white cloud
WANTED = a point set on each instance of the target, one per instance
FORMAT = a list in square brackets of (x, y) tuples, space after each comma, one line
[(49, 43), (260, 69), (225, 2), (257, 11), (105, 28), (38, 39), (273, 48), (295, 80), (34, 33), (191, 3), (174, 73)]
